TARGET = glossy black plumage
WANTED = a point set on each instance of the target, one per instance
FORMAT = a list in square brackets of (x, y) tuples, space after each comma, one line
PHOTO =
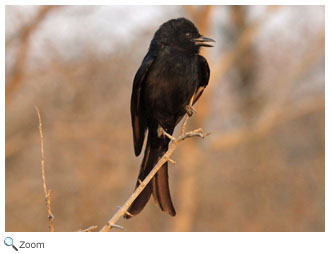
[(171, 73)]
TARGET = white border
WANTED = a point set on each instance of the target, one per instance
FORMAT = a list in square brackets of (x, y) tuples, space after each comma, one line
[(2, 117), (161, 2), (175, 242)]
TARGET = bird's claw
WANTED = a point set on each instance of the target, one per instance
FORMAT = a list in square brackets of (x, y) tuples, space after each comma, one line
[(162, 133), (190, 110)]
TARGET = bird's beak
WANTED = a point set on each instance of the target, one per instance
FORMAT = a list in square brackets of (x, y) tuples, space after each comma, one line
[(200, 41)]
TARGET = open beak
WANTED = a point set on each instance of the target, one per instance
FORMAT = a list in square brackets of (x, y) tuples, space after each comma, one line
[(201, 41)]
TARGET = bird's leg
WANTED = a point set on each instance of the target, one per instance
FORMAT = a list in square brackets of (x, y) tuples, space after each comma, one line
[(190, 110), (162, 133)]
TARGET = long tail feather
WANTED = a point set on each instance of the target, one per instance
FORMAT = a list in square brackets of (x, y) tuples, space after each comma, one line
[(160, 191), (155, 149)]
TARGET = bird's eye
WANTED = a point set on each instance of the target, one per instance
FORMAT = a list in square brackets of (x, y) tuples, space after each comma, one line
[(188, 35)]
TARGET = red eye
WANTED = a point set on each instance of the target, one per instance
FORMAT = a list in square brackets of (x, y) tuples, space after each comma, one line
[(188, 35)]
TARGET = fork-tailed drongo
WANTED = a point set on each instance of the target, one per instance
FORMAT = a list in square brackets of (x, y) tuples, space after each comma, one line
[(171, 73)]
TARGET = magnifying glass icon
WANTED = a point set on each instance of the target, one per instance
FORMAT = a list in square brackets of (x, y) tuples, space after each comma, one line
[(10, 242)]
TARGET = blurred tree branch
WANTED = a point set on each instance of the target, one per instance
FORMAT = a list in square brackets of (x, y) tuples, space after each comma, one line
[(228, 140), (201, 16), (24, 35), (246, 38), (277, 111), (246, 66)]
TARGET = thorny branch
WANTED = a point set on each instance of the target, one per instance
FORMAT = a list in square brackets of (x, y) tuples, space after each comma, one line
[(167, 157), (46, 192)]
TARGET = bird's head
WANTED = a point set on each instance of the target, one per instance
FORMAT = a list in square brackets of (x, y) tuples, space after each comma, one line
[(181, 34)]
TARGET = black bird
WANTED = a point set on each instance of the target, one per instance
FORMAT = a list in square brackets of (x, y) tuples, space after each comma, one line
[(171, 73)]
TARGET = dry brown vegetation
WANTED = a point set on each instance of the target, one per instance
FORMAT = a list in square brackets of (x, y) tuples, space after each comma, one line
[(262, 169)]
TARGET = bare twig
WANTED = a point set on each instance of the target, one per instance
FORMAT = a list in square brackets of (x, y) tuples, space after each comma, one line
[(46, 192), (166, 157)]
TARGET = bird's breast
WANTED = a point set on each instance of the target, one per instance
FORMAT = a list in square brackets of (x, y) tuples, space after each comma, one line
[(171, 82)]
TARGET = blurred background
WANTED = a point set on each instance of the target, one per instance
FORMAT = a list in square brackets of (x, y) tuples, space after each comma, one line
[(262, 169)]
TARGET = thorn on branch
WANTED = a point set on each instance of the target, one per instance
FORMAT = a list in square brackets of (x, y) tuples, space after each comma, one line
[(128, 213), (116, 226), (169, 136)]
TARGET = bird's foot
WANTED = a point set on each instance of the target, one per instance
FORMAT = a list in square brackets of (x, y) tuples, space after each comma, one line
[(162, 133), (190, 110)]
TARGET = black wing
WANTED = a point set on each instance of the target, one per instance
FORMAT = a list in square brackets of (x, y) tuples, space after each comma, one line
[(138, 120), (204, 76)]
